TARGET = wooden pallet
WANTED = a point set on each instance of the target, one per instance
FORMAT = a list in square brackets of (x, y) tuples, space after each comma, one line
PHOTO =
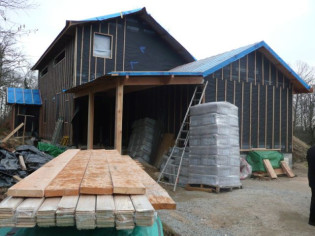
[(210, 188)]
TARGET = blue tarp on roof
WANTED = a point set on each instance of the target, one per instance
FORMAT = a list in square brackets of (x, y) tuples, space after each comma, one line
[(106, 17), (211, 64), (23, 96)]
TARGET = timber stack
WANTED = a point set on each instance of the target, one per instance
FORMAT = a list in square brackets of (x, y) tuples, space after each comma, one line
[(89, 189)]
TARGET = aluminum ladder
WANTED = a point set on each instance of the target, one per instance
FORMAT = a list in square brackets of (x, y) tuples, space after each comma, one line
[(182, 139)]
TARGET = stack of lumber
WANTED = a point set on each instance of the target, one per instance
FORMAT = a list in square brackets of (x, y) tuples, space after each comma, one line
[(85, 212), (66, 211), (26, 212), (124, 212), (105, 209), (93, 188), (144, 215), (46, 215), (7, 210)]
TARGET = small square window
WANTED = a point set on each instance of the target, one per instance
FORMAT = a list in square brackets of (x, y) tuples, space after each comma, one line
[(102, 46)]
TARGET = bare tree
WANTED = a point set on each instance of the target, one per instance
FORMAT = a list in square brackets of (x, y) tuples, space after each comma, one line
[(304, 106), (14, 68)]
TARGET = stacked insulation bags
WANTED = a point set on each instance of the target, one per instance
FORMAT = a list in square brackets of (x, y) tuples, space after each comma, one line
[(214, 155), (144, 139)]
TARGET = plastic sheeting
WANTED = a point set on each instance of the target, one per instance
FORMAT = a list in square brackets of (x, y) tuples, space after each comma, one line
[(9, 163), (255, 159), (50, 149), (155, 230), (23, 96)]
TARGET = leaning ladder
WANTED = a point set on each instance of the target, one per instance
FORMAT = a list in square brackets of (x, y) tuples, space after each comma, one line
[(57, 131), (182, 139)]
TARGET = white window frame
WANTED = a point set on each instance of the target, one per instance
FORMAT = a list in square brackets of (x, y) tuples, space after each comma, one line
[(111, 45)]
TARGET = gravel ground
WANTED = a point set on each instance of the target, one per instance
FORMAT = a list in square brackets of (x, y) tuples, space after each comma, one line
[(262, 207)]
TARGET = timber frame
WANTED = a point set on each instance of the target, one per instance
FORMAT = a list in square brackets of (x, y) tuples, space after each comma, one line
[(123, 84)]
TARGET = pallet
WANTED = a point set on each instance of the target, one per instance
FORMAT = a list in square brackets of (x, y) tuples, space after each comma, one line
[(210, 188)]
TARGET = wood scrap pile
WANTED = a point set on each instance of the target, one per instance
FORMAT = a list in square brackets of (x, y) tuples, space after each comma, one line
[(89, 189), (274, 173)]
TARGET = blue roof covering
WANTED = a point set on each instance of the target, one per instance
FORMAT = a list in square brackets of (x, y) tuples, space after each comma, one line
[(211, 64), (23, 96), (111, 16), (154, 73)]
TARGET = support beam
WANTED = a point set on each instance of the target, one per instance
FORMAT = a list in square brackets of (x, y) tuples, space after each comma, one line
[(90, 121), (119, 115)]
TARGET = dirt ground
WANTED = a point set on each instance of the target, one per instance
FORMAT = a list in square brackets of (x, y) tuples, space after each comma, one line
[(262, 207)]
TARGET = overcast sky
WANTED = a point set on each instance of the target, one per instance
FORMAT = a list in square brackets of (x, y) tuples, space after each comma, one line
[(203, 27)]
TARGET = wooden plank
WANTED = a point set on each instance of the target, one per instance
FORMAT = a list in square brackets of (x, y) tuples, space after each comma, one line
[(68, 181), (144, 211), (90, 121), (34, 185), (85, 212), (46, 214), (26, 212), (124, 176), (119, 115), (105, 211), (12, 133), (97, 179), (279, 171), (158, 196), (9, 205), (124, 212), (269, 169), (286, 169), (22, 163), (66, 210)]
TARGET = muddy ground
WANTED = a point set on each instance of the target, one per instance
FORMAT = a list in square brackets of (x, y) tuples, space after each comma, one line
[(262, 207)]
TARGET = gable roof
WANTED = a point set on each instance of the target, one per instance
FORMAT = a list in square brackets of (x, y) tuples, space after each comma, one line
[(69, 30), (23, 96), (211, 64)]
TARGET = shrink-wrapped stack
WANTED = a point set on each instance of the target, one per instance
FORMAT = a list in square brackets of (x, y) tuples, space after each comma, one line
[(214, 155)]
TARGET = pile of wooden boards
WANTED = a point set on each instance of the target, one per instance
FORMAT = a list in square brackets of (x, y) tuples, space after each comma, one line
[(89, 189), (273, 173)]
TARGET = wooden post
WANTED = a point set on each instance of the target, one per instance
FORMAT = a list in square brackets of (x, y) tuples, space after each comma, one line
[(13, 117), (24, 129), (119, 115), (90, 121)]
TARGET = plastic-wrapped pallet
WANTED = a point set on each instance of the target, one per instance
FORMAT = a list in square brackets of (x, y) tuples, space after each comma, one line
[(214, 154), (143, 138)]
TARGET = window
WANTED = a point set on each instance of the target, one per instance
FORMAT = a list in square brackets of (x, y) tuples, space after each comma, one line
[(59, 57), (43, 72), (102, 46)]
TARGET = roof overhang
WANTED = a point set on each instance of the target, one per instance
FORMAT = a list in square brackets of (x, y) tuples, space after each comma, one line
[(140, 79)]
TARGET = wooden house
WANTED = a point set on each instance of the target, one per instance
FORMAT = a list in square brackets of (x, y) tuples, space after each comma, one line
[(103, 73)]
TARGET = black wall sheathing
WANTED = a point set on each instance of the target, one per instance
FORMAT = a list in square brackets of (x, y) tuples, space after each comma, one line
[(235, 70), (246, 118), (258, 67), (262, 116), (277, 119), (269, 116), (284, 118), (79, 39), (86, 54), (272, 117), (221, 90), (254, 115), (138, 48), (251, 67), (290, 121), (230, 91)]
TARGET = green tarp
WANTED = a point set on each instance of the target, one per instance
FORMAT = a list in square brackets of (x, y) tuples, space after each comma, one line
[(50, 149), (255, 159), (155, 230)]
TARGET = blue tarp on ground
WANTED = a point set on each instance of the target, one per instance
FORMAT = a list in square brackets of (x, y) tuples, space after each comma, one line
[(155, 230), (23, 96)]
